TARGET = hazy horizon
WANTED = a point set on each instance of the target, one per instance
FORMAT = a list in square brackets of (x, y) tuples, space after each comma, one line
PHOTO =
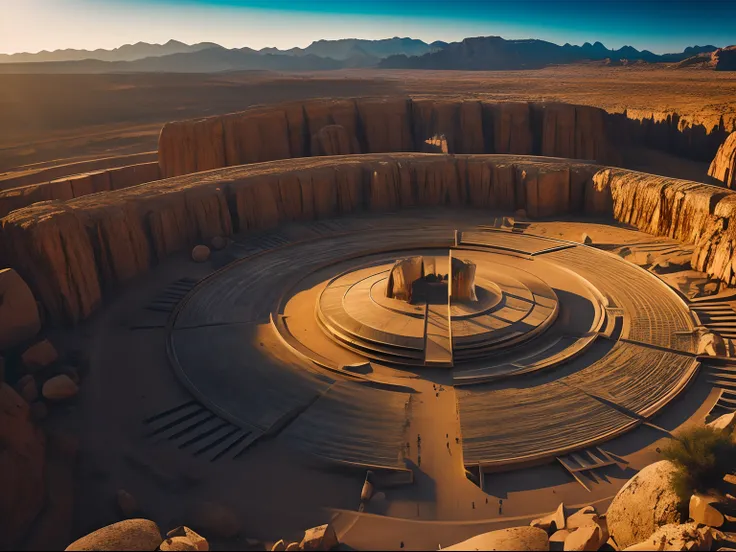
[(36, 25)]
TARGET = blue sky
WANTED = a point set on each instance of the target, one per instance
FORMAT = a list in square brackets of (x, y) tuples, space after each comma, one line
[(657, 25)]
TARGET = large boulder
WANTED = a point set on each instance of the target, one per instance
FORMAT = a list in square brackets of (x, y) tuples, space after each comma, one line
[(515, 538), (22, 461), (19, 319), (131, 534), (644, 504), (677, 537)]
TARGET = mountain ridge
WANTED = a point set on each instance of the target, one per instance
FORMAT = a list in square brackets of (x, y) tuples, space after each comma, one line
[(474, 53)]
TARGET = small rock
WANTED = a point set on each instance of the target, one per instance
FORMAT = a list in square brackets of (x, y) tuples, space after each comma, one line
[(40, 355), (200, 253), (196, 539), (131, 534), (587, 537), (177, 543), (59, 388), (218, 242), (70, 371), (553, 522), (702, 511), (293, 547), (27, 388), (39, 411), (319, 538), (586, 239), (726, 422), (279, 546), (127, 503), (584, 516), (557, 540), (214, 520), (367, 492)]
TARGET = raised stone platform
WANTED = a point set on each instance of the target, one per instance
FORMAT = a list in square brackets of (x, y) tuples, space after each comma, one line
[(566, 347)]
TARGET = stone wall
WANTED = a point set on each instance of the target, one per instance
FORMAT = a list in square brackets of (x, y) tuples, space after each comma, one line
[(70, 252), (385, 125), (78, 185)]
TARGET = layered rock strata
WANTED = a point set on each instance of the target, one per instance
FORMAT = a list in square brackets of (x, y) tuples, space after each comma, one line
[(723, 166), (78, 185), (70, 252), (330, 127)]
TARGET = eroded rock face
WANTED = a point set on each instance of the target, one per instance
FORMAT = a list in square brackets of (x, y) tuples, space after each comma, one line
[(78, 185), (22, 450), (386, 125), (334, 140), (19, 320), (644, 504), (723, 166), (70, 252)]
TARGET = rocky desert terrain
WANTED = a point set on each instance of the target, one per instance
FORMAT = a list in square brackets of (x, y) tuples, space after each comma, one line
[(202, 344)]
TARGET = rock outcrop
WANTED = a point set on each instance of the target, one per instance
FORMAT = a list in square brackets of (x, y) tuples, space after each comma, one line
[(70, 252), (723, 166), (22, 449), (644, 504), (724, 59), (78, 185), (370, 125)]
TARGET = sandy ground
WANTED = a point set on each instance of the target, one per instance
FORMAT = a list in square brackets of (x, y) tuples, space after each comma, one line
[(274, 493), (72, 117)]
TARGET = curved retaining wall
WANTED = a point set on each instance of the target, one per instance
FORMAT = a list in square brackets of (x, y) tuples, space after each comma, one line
[(71, 251), (78, 185), (381, 125)]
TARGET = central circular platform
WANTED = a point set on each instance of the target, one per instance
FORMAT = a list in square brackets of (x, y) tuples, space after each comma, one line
[(512, 306), (566, 347)]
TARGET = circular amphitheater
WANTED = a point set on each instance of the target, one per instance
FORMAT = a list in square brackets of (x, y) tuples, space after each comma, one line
[(452, 297), (564, 348)]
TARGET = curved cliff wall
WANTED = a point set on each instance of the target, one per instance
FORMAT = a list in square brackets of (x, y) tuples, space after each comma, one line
[(723, 166), (78, 185), (385, 125), (70, 252)]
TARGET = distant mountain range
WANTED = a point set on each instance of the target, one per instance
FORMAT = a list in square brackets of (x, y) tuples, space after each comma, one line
[(128, 52), (481, 53), (493, 53)]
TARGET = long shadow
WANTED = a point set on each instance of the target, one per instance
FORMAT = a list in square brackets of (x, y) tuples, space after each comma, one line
[(424, 488)]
